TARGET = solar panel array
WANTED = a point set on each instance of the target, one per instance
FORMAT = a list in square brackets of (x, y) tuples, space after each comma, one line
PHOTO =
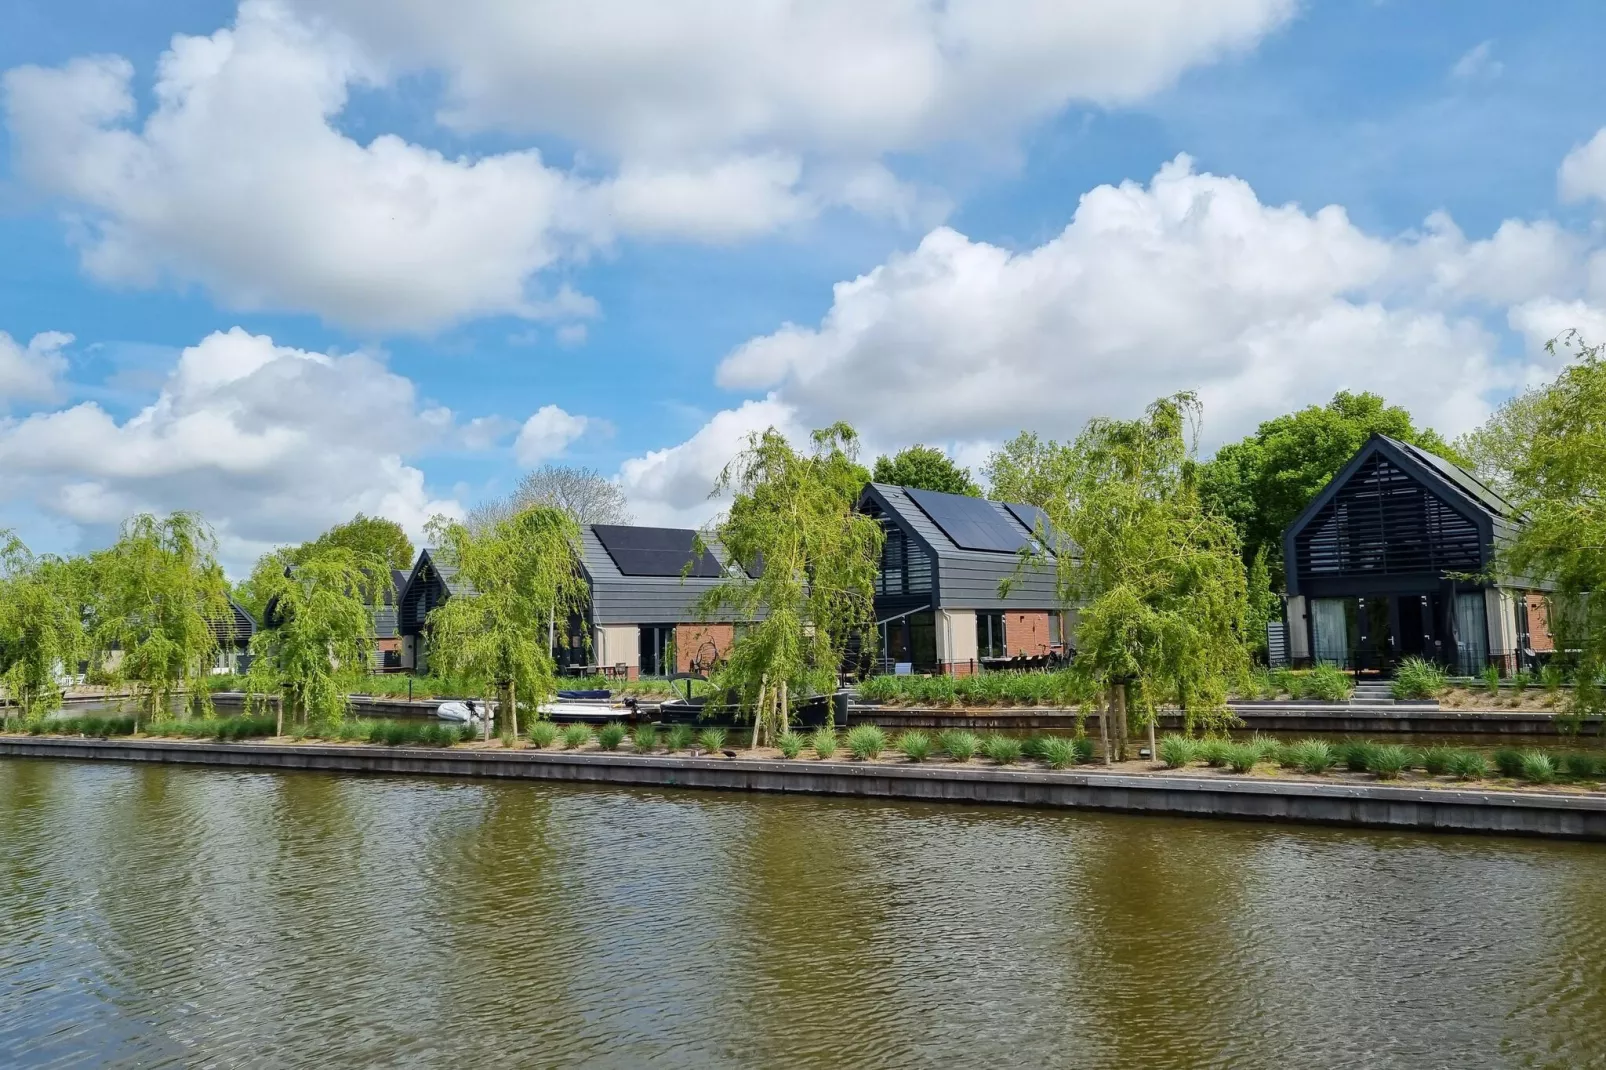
[(655, 551), (1034, 518), (972, 523)]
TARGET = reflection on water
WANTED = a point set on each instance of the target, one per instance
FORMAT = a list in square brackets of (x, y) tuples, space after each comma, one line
[(172, 916)]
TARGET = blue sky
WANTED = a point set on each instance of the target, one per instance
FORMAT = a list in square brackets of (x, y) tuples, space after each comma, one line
[(1390, 111)]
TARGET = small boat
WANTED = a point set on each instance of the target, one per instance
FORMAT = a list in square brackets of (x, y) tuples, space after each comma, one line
[(462, 711)]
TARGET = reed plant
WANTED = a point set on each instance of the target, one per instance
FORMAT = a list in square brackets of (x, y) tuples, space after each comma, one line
[(1468, 765), (865, 742), (1084, 749), (1388, 761), (1057, 753), (1508, 762), (576, 735), (915, 745), (644, 740), (1356, 754), (1537, 767), (1177, 751), (542, 734), (1243, 757), (1436, 760), (1213, 751), (958, 744), (1491, 679), (711, 739), (824, 742), (1314, 756), (1329, 683), (1002, 750), (790, 744), (1419, 678), (611, 735), (679, 737), (1550, 677), (1580, 765)]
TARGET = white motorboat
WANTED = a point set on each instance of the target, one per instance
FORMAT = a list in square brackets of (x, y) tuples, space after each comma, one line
[(463, 711)]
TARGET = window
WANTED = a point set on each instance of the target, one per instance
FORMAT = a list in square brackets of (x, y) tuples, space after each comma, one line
[(657, 649), (1056, 629), (990, 635)]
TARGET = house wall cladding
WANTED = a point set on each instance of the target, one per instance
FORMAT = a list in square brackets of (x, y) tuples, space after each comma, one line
[(1540, 641), (1026, 634), (619, 599), (697, 646)]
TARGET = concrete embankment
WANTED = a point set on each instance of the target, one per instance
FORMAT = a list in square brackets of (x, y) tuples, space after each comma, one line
[(1281, 719), (1565, 815)]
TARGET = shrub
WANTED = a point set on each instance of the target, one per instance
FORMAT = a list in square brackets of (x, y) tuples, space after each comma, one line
[(1436, 760), (1314, 756), (1242, 757), (1508, 762), (916, 746), (1389, 761), (1177, 751), (1468, 765), (1537, 767), (1418, 678), (644, 739), (678, 737), (542, 734), (611, 735), (576, 736), (1579, 765), (1003, 750), (959, 745), (1356, 754), (1329, 683), (824, 742), (790, 744), (1491, 679), (865, 742), (1058, 753), (711, 740), (1213, 752)]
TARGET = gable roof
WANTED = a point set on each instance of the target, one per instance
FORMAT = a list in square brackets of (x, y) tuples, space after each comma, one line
[(618, 598), (238, 627)]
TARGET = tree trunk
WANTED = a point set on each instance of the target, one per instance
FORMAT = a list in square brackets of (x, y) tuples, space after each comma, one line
[(785, 718), (1154, 748), (1104, 725), (758, 711), (1120, 722), (513, 707), (278, 727)]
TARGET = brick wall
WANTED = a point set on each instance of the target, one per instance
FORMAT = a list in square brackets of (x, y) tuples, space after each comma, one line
[(958, 668), (701, 642), (1539, 637), (1026, 634)]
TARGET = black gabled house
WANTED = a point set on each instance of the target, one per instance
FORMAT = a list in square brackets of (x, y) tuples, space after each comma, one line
[(1394, 559)]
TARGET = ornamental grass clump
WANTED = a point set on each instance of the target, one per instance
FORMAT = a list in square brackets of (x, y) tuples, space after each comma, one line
[(1002, 750), (576, 736), (866, 742), (644, 740), (611, 735), (1242, 757), (1419, 678), (1057, 753), (1213, 752), (678, 737), (790, 744), (1177, 751), (1468, 765), (711, 740), (1389, 761), (1084, 749), (1314, 756), (1491, 679), (958, 744), (1329, 683), (1508, 762), (915, 745), (1537, 767), (1579, 765), (824, 742), (542, 734), (1436, 760), (1356, 755)]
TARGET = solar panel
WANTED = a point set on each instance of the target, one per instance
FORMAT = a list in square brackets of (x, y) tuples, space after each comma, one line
[(972, 523), (1035, 519), (655, 551)]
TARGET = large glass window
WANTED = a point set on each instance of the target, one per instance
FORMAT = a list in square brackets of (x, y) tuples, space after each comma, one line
[(1329, 631), (657, 649), (990, 635), (1056, 629)]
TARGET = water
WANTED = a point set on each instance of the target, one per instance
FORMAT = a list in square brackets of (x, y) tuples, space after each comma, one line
[(158, 916)]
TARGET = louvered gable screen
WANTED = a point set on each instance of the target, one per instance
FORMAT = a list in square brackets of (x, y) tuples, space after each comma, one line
[(1383, 522)]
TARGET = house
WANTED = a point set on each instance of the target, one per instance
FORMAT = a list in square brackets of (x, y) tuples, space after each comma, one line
[(639, 617), (234, 634), (388, 641), (939, 601), (1393, 559)]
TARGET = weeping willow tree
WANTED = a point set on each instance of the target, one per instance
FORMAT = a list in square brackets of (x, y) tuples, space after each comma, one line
[(316, 641), (41, 629), (806, 582), (1157, 579), (160, 601), (520, 573)]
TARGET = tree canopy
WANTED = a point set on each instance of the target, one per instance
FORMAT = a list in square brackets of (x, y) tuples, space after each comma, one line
[(1262, 482), (1029, 469), (806, 583), (585, 494), (522, 571), (1496, 448), (41, 627), (1157, 578), (380, 543), (160, 600), (927, 468), (1558, 477)]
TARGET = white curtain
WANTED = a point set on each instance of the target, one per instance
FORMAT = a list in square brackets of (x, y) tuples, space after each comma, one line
[(1472, 629), (1330, 643)]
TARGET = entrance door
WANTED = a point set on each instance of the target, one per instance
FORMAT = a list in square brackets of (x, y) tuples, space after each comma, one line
[(1415, 634)]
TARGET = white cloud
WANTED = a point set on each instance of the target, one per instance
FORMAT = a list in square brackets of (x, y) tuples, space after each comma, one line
[(671, 486), (1520, 261), (1545, 319), (710, 121), (1583, 171), (546, 434), (271, 444), (1477, 63), (32, 372)]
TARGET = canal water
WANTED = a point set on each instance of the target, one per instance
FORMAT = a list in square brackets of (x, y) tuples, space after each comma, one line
[(156, 916)]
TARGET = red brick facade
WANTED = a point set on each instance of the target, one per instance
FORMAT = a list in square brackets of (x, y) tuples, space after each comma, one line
[(1026, 634), (1540, 641), (957, 668), (702, 644)]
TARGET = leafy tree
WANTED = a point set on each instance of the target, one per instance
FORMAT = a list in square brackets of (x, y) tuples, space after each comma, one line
[(313, 649), (1029, 469), (1264, 605), (1157, 577), (522, 570), (585, 494), (927, 468), (380, 542), (1559, 479), (1262, 482), (1496, 448), (41, 628), (160, 599), (807, 576)]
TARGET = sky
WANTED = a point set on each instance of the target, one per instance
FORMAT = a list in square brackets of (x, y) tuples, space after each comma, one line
[(284, 261)]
